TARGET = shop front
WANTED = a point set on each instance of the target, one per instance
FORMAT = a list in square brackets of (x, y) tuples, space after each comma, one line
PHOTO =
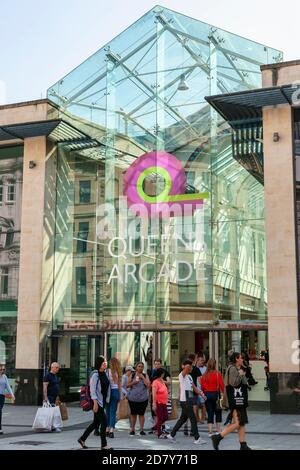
[(143, 236)]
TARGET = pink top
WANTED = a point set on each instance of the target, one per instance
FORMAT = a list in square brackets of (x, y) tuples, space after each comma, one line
[(161, 392)]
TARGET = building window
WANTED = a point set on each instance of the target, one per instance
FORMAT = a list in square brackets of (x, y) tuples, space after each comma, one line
[(81, 285), (11, 191), (187, 289), (84, 192), (4, 281), (83, 234), (131, 288), (9, 238)]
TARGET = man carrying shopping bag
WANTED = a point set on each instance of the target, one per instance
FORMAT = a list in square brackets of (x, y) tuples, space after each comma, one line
[(51, 392)]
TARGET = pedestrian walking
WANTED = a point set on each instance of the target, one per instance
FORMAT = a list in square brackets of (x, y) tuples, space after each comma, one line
[(4, 387), (51, 385), (100, 394), (201, 364), (195, 373), (237, 395), (187, 390), (115, 380), (138, 397), (51, 390), (212, 385), (167, 380), (160, 401)]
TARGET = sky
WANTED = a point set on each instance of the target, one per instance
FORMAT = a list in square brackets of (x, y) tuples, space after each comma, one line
[(41, 41)]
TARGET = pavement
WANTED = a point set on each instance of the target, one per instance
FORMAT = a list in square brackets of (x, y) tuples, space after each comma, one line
[(264, 432)]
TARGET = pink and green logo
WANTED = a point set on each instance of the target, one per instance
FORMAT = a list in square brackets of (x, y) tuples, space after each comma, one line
[(172, 198)]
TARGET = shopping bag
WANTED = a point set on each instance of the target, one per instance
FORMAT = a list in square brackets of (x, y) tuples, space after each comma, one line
[(63, 410), (174, 412), (237, 396), (123, 409), (44, 418), (219, 403), (224, 401), (57, 421)]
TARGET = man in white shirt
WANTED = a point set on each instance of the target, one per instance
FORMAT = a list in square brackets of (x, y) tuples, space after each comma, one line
[(187, 387)]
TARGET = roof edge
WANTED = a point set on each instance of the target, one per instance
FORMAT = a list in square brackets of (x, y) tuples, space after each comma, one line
[(28, 103), (279, 65)]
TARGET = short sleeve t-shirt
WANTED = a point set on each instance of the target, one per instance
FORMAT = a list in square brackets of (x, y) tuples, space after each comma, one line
[(186, 387), (53, 385), (161, 392)]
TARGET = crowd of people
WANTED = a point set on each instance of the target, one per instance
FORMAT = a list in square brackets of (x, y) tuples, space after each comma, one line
[(201, 387), (203, 392)]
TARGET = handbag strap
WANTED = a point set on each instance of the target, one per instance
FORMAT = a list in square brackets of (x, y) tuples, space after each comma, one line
[(218, 385)]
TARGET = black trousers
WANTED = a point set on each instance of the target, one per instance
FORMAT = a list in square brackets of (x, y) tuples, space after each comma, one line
[(2, 399), (99, 420), (187, 412)]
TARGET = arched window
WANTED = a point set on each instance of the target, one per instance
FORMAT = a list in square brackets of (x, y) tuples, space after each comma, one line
[(9, 237)]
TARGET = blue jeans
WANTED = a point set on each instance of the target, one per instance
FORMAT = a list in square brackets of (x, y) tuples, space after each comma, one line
[(111, 408)]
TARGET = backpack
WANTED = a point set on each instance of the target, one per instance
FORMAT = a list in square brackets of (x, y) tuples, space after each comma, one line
[(86, 402)]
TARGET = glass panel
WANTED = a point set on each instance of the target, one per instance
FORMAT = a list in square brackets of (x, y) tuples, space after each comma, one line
[(119, 267), (131, 348)]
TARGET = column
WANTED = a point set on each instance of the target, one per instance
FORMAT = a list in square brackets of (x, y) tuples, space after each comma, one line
[(281, 257), (28, 360)]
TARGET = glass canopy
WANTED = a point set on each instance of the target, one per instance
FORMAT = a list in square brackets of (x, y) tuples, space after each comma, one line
[(144, 92)]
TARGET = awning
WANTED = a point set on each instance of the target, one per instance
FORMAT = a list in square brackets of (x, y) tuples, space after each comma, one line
[(56, 129), (247, 105)]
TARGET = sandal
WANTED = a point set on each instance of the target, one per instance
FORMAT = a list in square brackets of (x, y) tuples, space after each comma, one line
[(82, 443)]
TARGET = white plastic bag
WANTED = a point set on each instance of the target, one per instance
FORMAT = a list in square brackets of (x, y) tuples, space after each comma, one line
[(57, 421), (44, 418)]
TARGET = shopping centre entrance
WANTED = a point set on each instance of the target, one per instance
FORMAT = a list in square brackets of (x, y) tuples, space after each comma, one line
[(172, 347)]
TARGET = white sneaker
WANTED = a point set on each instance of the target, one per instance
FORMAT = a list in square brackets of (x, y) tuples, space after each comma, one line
[(210, 434), (171, 438), (200, 441), (57, 430)]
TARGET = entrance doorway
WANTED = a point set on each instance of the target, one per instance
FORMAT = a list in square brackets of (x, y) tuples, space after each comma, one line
[(83, 351), (131, 347)]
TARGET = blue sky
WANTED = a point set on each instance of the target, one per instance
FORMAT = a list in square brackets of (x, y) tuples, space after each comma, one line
[(41, 41)]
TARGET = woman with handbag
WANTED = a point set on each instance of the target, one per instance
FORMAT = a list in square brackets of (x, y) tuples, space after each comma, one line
[(237, 395), (100, 394), (212, 385)]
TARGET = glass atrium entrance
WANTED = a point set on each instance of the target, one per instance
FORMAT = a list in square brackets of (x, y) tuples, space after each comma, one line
[(158, 228)]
